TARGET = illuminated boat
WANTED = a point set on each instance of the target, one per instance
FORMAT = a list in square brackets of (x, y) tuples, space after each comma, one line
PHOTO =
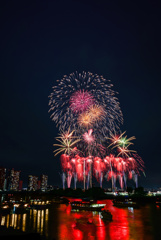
[(39, 204), (20, 207), (87, 206), (13, 207)]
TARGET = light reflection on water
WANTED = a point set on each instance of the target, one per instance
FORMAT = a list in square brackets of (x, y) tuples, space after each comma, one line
[(60, 223), (32, 221)]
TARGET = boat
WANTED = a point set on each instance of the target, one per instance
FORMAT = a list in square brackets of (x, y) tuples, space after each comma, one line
[(39, 204), (20, 207), (87, 206), (13, 207), (106, 215), (123, 203)]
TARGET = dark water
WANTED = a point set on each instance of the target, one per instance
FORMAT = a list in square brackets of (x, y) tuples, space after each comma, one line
[(58, 222)]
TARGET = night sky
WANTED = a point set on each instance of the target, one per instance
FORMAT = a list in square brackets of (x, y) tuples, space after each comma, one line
[(43, 40)]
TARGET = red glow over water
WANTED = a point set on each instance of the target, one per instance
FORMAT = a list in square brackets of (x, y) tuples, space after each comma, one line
[(60, 223), (126, 224), (88, 225)]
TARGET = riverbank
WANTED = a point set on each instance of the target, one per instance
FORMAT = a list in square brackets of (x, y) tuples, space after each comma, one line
[(95, 193)]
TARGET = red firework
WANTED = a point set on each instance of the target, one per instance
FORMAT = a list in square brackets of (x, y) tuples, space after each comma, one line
[(115, 167)]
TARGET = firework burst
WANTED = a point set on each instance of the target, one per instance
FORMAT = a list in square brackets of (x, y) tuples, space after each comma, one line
[(83, 105), (97, 113), (66, 144), (85, 120), (80, 101), (124, 152), (88, 137), (76, 94), (137, 163), (121, 142)]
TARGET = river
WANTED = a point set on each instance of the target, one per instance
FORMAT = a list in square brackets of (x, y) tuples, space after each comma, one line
[(60, 223)]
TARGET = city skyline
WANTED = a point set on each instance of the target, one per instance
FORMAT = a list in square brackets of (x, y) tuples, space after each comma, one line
[(116, 41), (11, 180), (40, 182)]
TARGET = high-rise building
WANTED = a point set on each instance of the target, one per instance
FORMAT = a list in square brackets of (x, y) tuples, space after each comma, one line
[(2, 178), (20, 185), (10, 178), (32, 183), (44, 182), (39, 185), (13, 180)]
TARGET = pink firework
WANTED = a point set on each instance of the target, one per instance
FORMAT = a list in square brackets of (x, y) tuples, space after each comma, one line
[(80, 101), (88, 137)]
